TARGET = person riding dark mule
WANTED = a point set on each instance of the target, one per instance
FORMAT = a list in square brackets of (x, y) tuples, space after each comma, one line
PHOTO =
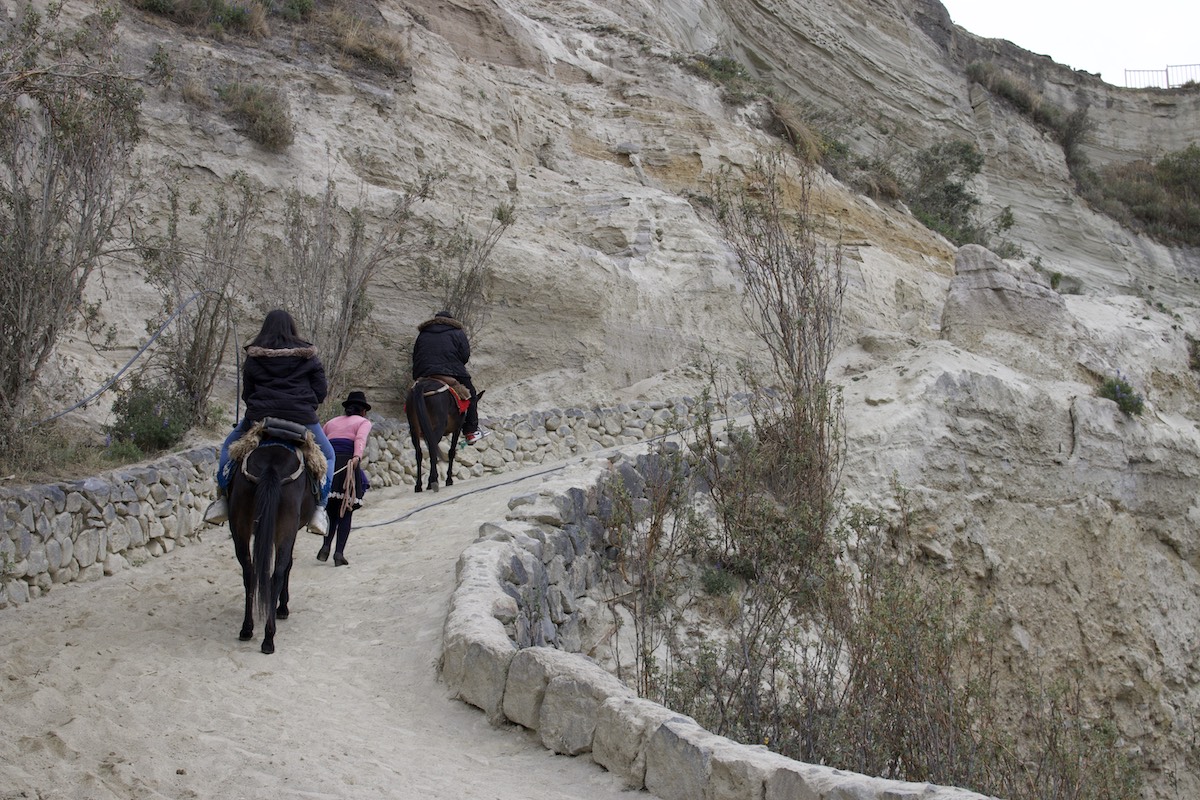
[(277, 467), (442, 348), (282, 378), (436, 406)]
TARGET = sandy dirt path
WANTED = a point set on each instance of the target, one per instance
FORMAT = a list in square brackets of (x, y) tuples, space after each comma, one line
[(136, 686)]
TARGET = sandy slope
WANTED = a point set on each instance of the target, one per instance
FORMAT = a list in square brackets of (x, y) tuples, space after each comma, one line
[(137, 687)]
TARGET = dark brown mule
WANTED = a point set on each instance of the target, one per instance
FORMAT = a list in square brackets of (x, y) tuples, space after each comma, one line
[(269, 499), (433, 412)]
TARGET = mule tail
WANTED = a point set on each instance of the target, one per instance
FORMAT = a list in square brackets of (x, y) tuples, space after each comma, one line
[(266, 506), (430, 436)]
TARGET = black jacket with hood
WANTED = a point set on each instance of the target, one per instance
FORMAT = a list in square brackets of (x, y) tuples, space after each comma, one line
[(441, 348), (287, 383)]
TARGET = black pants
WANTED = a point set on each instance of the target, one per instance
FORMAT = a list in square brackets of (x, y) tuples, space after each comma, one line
[(339, 526)]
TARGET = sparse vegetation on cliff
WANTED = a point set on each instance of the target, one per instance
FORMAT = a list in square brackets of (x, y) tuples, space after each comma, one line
[(1159, 197), (823, 637)]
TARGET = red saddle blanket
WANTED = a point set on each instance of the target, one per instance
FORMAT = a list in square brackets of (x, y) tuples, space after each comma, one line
[(462, 395)]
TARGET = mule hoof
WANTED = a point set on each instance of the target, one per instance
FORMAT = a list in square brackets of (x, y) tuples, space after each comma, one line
[(281, 613), (246, 636), (417, 488), (268, 647)]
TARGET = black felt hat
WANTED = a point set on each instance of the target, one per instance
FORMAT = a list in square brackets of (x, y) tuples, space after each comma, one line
[(357, 399)]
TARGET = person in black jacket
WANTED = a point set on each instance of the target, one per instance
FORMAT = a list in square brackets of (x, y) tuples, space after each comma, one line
[(442, 348), (282, 378)]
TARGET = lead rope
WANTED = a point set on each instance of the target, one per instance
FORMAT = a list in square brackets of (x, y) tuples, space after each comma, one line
[(348, 490)]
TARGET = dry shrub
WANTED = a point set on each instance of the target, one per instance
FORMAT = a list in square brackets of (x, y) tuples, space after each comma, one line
[(69, 123), (195, 93), (248, 18), (263, 112), (372, 45), (807, 143)]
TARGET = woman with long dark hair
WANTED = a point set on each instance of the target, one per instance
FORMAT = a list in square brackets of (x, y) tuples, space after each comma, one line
[(282, 378)]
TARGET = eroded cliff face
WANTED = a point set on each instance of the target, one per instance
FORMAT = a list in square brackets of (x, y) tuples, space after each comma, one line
[(971, 380)]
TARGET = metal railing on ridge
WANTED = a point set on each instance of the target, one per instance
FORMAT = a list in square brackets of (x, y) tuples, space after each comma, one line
[(1172, 77)]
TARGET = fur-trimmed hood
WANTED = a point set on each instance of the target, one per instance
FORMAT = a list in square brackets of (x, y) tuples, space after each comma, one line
[(449, 321), (253, 351)]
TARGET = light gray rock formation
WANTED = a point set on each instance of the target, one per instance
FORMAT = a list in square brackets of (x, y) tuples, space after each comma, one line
[(964, 376)]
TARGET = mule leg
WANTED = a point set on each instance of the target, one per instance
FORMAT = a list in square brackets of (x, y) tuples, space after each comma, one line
[(241, 547), (439, 424), (450, 460), (279, 580), (432, 485), (268, 642), (417, 446), (281, 612)]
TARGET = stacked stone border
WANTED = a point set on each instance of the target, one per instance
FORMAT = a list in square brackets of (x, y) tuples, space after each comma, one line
[(85, 529), (526, 582)]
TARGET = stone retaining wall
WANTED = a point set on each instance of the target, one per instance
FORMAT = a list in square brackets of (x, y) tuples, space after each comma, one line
[(525, 582), (82, 530)]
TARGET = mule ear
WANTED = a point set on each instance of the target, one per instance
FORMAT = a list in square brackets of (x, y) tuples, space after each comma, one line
[(481, 394)]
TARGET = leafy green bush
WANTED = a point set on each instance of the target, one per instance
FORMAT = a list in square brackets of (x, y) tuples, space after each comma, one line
[(150, 416), (738, 87), (263, 112), (123, 452), (1123, 394), (937, 192), (716, 582)]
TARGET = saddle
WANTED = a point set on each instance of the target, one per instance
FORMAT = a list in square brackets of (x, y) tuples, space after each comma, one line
[(461, 393), (283, 433)]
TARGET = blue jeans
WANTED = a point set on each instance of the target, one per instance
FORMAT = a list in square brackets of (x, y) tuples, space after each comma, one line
[(223, 472)]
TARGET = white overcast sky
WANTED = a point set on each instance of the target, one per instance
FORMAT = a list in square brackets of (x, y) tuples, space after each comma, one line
[(1099, 36)]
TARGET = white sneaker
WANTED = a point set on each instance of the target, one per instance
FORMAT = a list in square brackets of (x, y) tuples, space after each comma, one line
[(475, 436), (218, 512), (319, 524)]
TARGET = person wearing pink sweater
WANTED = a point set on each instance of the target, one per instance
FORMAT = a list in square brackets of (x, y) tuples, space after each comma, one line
[(348, 435)]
